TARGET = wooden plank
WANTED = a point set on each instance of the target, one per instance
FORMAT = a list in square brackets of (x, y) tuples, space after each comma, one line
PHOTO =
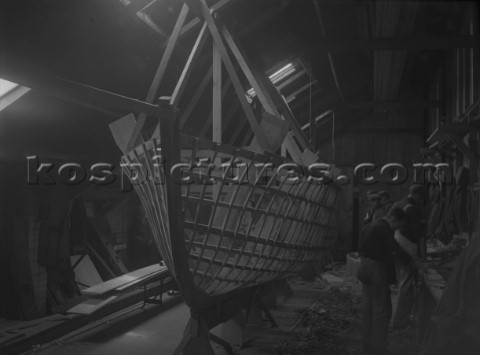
[(182, 82), (162, 274), (217, 95), (152, 92), (91, 305), (122, 280), (196, 97), (15, 326), (201, 8)]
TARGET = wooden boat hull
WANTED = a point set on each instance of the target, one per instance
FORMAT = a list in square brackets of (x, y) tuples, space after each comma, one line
[(247, 218)]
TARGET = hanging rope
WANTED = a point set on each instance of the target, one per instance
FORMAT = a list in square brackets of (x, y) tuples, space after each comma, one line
[(333, 137), (312, 127)]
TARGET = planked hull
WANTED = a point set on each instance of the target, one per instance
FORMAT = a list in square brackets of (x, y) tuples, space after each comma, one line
[(244, 223)]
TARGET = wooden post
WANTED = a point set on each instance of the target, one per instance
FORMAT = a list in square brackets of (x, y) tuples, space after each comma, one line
[(152, 92), (217, 105), (201, 9), (170, 148)]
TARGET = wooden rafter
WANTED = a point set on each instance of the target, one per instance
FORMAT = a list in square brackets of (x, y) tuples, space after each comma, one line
[(182, 82), (201, 10), (268, 95), (196, 21), (196, 96), (318, 118), (301, 89), (291, 79), (225, 88), (152, 92), (138, 5), (87, 96)]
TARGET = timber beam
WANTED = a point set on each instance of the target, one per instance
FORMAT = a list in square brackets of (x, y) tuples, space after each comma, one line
[(403, 43), (87, 96)]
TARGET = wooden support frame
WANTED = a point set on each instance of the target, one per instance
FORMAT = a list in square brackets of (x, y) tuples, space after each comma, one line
[(152, 92), (196, 21), (181, 84), (269, 97), (201, 10), (217, 96), (275, 100), (196, 97), (225, 88)]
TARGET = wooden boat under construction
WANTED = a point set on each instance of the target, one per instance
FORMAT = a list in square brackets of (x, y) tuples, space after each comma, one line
[(246, 218), (227, 219)]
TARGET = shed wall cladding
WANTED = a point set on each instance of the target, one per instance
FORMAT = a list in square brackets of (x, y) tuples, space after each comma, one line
[(381, 146)]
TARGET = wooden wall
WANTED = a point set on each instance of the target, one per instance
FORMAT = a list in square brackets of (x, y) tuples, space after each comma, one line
[(395, 136)]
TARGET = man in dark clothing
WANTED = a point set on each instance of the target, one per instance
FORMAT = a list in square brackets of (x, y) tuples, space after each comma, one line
[(375, 209), (377, 273), (412, 233)]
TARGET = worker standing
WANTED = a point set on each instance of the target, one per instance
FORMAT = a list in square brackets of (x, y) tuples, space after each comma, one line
[(411, 239), (377, 272), (375, 210)]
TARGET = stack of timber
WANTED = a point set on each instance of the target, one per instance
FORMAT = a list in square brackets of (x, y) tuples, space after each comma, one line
[(102, 300), (108, 291)]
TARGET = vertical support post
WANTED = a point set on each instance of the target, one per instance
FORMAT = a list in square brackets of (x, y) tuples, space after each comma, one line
[(170, 146), (217, 106), (217, 95)]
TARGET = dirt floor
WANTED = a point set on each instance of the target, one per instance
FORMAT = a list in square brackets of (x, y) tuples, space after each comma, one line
[(332, 324)]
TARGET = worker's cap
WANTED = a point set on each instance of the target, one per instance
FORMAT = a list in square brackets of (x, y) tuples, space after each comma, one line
[(421, 190), (373, 195)]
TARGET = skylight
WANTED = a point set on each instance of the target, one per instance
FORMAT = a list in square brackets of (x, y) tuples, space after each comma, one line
[(280, 74), (6, 86), (10, 92)]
